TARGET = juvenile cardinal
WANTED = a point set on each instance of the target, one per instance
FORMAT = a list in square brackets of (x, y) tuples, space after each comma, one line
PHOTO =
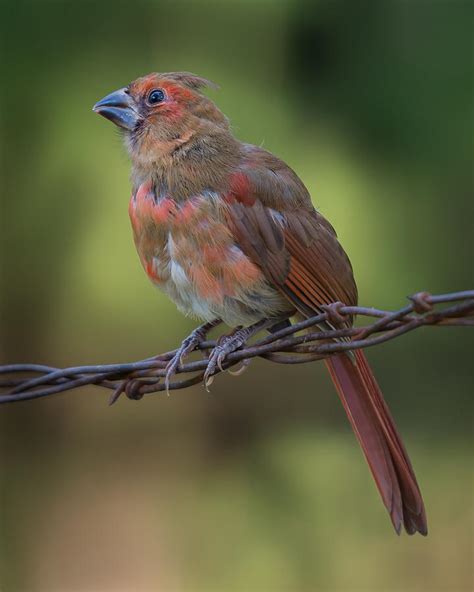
[(228, 231)]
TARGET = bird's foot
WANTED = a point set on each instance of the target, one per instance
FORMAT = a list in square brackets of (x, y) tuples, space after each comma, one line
[(228, 344), (187, 346)]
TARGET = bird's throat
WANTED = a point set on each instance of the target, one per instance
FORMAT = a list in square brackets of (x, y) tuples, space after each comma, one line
[(187, 165)]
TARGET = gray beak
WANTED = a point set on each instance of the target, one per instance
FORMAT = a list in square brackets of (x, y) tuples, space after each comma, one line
[(119, 107)]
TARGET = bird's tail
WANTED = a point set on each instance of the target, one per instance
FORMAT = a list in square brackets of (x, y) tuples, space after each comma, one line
[(380, 441)]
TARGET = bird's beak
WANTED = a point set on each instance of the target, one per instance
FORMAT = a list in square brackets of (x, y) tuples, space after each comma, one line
[(120, 108)]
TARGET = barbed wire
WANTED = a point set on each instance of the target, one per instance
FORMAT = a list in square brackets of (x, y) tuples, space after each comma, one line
[(295, 344)]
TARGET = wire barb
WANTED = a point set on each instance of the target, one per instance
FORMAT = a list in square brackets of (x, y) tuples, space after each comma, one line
[(297, 344)]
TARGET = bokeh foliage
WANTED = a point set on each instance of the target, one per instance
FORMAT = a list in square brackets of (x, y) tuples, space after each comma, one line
[(259, 485)]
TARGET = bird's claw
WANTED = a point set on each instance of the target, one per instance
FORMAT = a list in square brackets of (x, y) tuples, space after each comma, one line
[(243, 367), (227, 345), (187, 346)]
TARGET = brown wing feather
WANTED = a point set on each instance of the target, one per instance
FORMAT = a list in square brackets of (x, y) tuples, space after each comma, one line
[(277, 226)]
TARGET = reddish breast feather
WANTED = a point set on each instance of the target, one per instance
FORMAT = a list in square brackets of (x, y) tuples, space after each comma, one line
[(145, 209), (164, 211), (190, 245)]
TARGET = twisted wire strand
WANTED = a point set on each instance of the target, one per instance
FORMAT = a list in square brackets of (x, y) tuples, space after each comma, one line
[(21, 382)]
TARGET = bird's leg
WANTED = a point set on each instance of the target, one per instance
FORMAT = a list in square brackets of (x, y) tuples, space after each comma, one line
[(187, 346), (273, 328), (228, 344)]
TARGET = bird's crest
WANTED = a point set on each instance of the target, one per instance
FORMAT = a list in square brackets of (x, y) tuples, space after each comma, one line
[(190, 80)]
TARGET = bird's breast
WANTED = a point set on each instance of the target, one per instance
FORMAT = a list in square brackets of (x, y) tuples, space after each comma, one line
[(188, 250)]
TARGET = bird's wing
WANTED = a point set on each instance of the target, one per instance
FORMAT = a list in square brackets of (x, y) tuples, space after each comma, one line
[(274, 223)]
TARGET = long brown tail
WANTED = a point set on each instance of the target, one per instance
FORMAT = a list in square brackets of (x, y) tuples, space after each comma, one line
[(380, 441)]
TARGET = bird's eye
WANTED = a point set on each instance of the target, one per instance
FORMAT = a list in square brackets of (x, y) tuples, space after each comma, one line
[(156, 96)]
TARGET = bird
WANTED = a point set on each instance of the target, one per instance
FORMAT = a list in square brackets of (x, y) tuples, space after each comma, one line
[(228, 231)]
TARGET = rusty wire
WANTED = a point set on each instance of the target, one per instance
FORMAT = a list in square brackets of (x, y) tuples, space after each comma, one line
[(295, 344)]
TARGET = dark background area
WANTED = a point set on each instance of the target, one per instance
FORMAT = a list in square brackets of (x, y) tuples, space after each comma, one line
[(259, 485)]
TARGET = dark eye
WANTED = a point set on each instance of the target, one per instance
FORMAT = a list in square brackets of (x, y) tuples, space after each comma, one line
[(156, 96)]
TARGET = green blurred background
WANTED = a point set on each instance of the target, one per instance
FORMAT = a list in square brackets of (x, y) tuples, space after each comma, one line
[(259, 485)]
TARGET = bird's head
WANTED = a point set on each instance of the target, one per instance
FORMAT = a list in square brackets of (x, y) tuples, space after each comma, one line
[(162, 113)]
